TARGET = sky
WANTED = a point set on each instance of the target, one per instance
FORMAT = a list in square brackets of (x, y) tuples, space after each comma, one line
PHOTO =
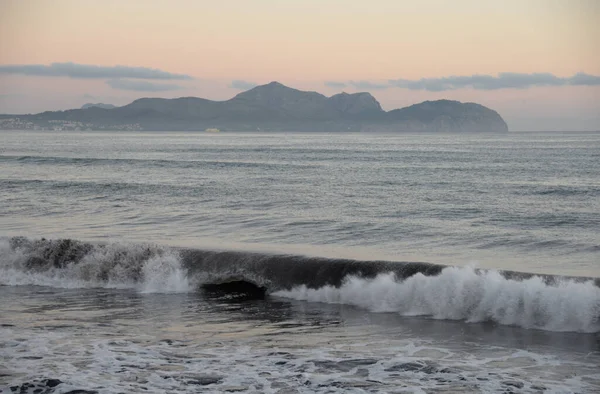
[(536, 62)]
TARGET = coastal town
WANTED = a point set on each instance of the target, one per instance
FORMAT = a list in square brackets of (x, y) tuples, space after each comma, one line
[(17, 123)]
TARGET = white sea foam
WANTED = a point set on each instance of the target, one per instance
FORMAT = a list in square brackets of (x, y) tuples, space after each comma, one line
[(319, 361), (113, 266), (462, 293), (164, 274)]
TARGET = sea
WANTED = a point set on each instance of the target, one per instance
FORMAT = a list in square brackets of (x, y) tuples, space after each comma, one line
[(179, 262)]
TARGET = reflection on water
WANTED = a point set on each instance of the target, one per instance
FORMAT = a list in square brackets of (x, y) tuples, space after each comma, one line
[(201, 313)]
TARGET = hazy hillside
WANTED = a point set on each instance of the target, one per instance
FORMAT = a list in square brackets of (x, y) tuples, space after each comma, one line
[(274, 107), (99, 105)]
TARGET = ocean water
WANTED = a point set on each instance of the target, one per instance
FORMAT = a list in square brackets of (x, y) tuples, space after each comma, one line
[(288, 262)]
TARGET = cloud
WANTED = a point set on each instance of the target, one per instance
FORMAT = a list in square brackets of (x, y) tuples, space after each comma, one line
[(141, 86), (501, 81), (367, 85), (242, 85), (585, 79), (505, 80), (88, 71), (335, 84)]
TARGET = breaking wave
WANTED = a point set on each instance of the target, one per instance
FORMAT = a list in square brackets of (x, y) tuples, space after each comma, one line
[(461, 293), (73, 264), (548, 302)]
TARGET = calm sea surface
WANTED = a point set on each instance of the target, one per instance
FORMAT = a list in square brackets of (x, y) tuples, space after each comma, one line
[(529, 202)]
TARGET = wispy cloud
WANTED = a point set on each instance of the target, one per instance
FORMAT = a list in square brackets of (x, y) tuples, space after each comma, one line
[(585, 79), (141, 86), (482, 82), (242, 85), (478, 81), (360, 85), (335, 84), (367, 85), (89, 71)]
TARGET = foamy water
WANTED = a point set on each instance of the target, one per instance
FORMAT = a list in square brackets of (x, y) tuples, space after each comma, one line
[(146, 268), (464, 294), (111, 340)]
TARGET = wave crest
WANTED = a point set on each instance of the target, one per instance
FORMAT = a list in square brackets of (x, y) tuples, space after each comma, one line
[(410, 288), (463, 293), (73, 264)]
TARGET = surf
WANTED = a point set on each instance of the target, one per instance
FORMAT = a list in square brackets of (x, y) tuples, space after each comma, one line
[(532, 301)]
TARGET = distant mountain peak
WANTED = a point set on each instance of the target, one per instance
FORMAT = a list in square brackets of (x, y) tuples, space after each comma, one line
[(270, 88), (275, 83), (356, 103), (277, 95)]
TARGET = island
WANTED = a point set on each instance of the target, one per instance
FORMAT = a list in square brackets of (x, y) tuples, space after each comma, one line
[(270, 107)]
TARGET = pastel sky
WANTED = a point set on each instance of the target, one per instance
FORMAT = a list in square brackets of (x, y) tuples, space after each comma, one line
[(537, 62)]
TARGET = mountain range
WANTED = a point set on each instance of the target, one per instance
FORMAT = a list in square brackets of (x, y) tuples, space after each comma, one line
[(277, 107)]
